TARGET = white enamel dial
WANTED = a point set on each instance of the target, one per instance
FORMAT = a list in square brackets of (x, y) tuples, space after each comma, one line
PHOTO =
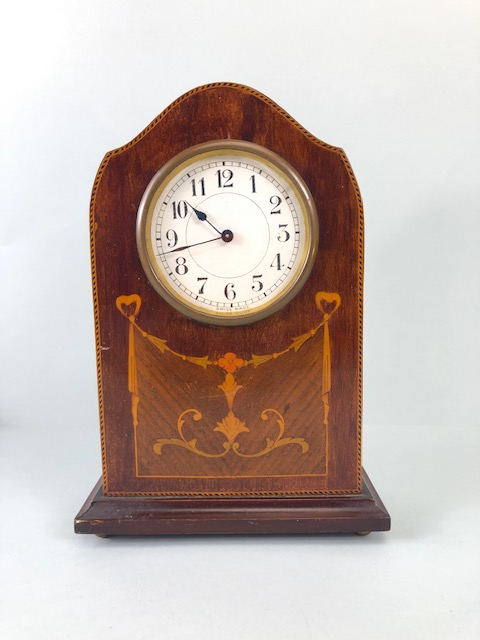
[(227, 232)]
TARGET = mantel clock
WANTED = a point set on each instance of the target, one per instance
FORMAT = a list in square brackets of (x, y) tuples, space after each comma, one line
[(227, 262)]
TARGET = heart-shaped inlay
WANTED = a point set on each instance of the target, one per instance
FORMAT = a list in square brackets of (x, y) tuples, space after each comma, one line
[(129, 305), (327, 303)]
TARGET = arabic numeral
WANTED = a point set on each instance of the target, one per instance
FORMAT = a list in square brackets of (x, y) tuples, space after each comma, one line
[(277, 262), (180, 210), (202, 286), (230, 291), (275, 200), (201, 184), (257, 285), (224, 178), (172, 238), (283, 234), (181, 267)]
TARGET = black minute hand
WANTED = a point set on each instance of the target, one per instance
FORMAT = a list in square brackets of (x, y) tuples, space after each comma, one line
[(187, 246)]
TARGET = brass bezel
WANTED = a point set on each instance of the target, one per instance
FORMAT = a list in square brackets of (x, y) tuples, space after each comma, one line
[(223, 147)]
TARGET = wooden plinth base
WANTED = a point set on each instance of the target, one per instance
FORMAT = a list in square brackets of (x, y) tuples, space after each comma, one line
[(107, 516)]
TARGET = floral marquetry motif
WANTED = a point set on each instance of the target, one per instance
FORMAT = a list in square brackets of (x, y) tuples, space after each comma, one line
[(231, 426)]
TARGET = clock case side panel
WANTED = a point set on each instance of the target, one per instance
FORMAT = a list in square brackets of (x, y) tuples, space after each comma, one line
[(96, 315), (128, 173), (360, 223)]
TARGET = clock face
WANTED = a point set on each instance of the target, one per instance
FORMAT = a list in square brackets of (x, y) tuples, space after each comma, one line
[(227, 232)]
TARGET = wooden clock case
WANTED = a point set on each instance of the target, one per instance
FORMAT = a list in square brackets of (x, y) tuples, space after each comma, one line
[(246, 429)]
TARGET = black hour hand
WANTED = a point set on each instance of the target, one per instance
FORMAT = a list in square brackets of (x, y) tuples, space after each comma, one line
[(203, 217)]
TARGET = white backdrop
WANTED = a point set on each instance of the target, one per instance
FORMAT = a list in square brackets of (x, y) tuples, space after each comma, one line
[(397, 85)]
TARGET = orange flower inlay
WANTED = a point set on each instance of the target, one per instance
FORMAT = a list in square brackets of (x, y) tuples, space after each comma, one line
[(230, 362)]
